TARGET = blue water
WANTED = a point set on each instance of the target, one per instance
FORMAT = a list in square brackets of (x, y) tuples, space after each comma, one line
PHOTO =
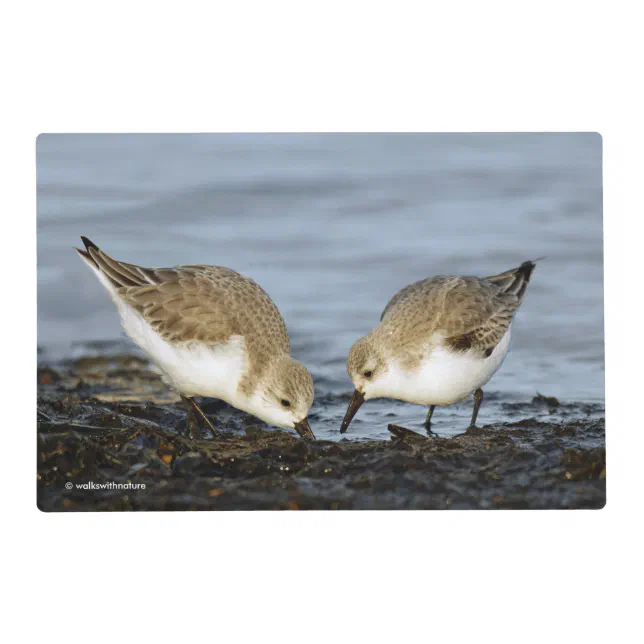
[(332, 226)]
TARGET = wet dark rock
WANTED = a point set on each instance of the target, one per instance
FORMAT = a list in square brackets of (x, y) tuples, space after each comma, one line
[(405, 434), (550, 401), (584, 464), (253, 432), (122, 426), (48, 376), (193, 464)]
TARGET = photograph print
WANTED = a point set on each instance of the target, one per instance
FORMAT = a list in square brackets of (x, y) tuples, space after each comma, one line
[(368, 321)]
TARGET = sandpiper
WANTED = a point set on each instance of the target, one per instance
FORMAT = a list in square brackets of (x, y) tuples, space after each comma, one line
[(212, 332), (439, 340)]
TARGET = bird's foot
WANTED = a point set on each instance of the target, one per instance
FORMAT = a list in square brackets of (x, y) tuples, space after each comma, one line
[(189, 428), (194, 431), (194, 414), (203, 417), (429, 431)]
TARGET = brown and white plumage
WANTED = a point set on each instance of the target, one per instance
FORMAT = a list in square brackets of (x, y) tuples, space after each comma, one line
[(212, 332), (439, 339), (468, 312)]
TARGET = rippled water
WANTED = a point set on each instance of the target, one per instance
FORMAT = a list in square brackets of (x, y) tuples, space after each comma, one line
[(332, 226)]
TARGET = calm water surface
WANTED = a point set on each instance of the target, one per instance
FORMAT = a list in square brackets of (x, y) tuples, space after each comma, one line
[(332, 226)]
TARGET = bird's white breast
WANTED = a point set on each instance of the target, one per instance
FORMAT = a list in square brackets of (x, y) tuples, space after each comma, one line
[(193, 368), (443, 378)]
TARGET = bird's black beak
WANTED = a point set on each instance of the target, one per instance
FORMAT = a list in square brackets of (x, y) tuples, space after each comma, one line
[(304, 429), (356, 402)]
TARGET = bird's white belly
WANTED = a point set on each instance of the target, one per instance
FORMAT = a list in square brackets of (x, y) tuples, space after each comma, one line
[(446, 377), (193, 368)]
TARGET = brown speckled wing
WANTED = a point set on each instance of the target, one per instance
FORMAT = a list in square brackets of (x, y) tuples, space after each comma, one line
[(209, 304), (467, 312), (199, 303)]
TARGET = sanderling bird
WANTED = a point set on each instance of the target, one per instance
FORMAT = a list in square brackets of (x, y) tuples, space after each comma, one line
[(212, 332), (439, 340)]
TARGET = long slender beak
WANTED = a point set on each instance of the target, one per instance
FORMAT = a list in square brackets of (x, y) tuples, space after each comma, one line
[(304, 429), (356, 402)]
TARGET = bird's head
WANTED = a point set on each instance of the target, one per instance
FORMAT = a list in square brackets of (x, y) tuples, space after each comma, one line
[(367, 369), (286, 395)]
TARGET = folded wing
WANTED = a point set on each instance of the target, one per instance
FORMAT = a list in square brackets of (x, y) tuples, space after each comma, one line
[(193, 302), (465, 312)]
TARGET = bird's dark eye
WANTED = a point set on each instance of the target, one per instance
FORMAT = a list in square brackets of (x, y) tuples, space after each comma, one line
[(368, 374), (286, 403)]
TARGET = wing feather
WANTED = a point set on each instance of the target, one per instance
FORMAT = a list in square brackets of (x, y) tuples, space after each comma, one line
[(197, 303), (466, 313)]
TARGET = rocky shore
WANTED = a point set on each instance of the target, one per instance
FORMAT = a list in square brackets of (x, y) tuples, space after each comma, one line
[(112, 437)]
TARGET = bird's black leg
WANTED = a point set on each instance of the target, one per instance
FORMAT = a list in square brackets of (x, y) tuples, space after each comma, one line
[(478, 397), (428, 421), (198, 409), (193, 424)]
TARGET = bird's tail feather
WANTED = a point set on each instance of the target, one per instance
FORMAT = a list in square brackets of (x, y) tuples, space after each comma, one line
[(515, 281), (118, 274)]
